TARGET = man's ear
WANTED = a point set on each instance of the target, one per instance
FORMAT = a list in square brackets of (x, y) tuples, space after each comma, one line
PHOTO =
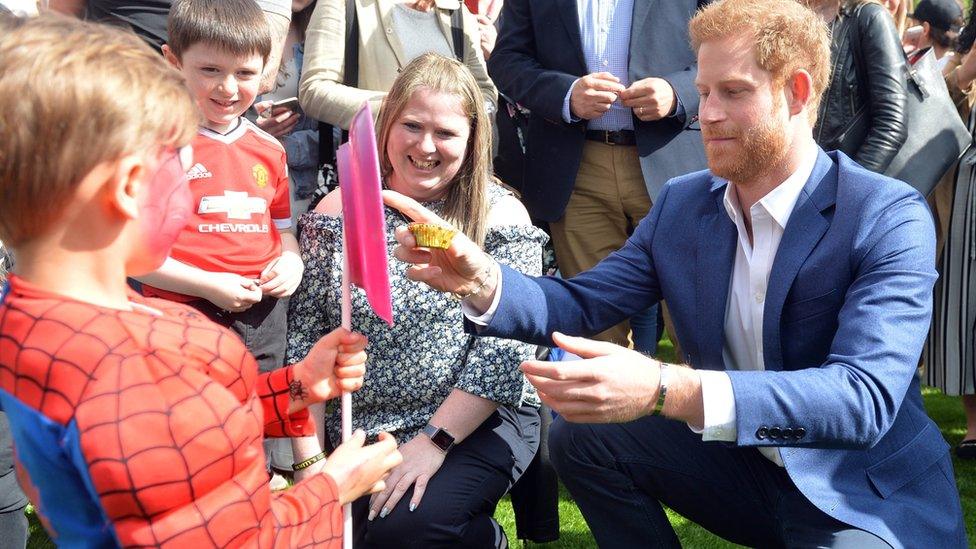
[(171, 57), (799, 91), (126, 184)]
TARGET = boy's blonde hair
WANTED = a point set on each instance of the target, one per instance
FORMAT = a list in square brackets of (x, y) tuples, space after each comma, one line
[(238, 27), (74, 95), (466, 203), (787, 36)]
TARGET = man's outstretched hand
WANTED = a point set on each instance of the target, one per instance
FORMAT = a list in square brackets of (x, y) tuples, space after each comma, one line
[(459, 269), (612, 384)]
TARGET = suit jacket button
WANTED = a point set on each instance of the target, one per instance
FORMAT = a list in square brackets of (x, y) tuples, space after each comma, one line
[(787, 433), (799, 432), (775, 432), (761, 433)]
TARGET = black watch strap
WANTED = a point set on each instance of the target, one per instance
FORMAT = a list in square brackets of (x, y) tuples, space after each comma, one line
[(439, 437)]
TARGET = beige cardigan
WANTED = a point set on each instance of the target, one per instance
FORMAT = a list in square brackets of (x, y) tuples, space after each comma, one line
[(321, 92)]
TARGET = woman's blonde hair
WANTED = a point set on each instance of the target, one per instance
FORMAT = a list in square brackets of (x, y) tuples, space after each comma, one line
[(74, 95), (466, 202)]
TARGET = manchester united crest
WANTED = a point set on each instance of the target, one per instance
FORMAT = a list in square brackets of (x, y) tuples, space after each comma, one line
[(261, 175)]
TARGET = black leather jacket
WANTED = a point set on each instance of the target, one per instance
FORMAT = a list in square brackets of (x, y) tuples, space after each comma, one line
[(882, 67)]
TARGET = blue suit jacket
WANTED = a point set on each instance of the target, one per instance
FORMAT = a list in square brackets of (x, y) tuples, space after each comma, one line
[(538, 57), (847, 310)]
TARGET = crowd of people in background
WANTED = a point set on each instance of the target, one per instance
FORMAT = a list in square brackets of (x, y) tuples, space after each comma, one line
[(534, 128)]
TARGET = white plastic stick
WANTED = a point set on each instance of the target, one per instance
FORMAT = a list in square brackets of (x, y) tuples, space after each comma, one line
[(346, 397)]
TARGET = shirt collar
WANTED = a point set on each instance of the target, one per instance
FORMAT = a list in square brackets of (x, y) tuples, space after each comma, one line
[(779, 202)]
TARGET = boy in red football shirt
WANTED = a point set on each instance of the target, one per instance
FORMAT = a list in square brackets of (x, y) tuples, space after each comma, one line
[(237, 258), (138, 422)]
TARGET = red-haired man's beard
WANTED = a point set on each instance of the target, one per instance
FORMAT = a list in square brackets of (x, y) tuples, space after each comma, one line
[(742, 156)]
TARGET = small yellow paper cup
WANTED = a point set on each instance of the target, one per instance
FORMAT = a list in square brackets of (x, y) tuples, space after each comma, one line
[(430, 235)]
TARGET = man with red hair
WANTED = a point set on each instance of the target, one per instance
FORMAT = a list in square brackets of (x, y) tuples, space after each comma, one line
[(800, 285)]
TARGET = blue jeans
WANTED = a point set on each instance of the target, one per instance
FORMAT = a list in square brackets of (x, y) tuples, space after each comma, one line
[(621, 474)]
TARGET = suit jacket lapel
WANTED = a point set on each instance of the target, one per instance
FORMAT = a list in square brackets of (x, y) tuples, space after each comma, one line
[(570, 15), (804, 230), (716, 257)]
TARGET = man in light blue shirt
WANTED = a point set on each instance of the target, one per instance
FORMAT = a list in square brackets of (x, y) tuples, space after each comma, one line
[(610, 86)]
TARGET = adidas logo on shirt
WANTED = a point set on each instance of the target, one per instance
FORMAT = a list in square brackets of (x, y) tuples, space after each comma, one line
[(198, 171)]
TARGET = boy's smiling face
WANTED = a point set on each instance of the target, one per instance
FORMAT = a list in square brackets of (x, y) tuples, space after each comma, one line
[(223, 84)]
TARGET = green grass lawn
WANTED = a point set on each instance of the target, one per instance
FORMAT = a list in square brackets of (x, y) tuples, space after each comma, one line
[(946, 411)]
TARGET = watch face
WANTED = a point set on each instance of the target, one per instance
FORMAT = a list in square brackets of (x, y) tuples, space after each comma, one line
[(442, 439)]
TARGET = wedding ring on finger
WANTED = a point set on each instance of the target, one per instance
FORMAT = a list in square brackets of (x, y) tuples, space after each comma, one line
[(640, 110)]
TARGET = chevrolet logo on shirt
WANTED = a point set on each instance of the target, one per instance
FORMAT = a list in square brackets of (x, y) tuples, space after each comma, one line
[(237, 205)]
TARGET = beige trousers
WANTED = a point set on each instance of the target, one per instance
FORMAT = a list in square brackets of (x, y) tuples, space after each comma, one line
[(608, 201)]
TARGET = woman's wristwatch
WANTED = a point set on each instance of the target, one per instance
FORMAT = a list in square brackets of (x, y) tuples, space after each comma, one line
[(439, 437)]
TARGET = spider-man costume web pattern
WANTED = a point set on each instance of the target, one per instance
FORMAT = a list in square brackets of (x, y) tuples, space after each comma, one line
[(144, 428)]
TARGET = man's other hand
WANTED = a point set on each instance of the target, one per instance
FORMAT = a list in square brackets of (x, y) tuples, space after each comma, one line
[(651, 99), (593, 94), (612, 384)]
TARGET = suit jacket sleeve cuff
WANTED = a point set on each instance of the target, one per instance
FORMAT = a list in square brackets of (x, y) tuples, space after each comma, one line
[(567, 114), (683, 83), (679, 109)]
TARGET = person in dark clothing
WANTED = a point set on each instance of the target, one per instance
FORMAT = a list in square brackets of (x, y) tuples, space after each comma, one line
[(937, 26), (867, 82)]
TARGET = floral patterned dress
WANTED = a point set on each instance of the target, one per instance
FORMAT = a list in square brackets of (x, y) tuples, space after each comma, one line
[(414, 365)]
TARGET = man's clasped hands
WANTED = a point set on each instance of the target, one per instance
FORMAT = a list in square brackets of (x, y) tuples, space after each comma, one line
[(650, 98)]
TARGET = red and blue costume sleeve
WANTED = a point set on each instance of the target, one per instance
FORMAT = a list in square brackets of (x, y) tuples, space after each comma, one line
[(144, 428)]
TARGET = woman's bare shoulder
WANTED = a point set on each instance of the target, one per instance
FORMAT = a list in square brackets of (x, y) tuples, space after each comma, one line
[(331, 204), (508, 210)]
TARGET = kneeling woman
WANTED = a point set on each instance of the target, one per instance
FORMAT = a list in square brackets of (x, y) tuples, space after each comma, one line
[(466, 419)]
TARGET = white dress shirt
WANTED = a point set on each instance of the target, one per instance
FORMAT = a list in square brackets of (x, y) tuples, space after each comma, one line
[(743, 345), (742, 348)]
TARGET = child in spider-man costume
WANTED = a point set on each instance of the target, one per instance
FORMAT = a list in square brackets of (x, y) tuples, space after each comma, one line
[(137, 422)]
